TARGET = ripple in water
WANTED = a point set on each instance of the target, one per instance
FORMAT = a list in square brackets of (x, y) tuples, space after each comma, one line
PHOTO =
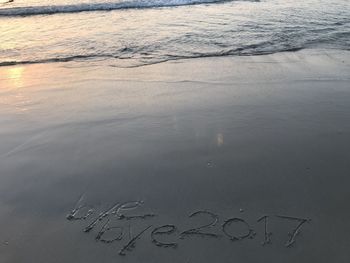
[(134, 35)]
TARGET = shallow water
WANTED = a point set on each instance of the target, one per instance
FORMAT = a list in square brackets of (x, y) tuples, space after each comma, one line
[(138, 32)]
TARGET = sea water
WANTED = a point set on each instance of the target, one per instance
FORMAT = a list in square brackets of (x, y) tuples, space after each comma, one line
[(128, 33)]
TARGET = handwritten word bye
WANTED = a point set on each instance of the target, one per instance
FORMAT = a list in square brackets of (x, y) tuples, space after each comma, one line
[(109, 231)]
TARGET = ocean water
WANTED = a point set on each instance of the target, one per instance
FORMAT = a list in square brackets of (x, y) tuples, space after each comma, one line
[(128, 33)]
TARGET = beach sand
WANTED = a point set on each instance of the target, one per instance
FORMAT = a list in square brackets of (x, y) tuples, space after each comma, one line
[(228, 140)]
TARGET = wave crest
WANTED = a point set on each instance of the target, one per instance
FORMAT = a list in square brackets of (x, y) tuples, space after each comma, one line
[(132, 4)]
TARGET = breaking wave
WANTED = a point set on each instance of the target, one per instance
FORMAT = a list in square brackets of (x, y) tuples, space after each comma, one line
[(75, 8)]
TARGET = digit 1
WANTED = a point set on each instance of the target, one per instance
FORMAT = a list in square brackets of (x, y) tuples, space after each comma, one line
[(267, 234)]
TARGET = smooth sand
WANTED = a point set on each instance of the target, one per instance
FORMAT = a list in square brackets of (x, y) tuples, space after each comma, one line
[(240, 137)]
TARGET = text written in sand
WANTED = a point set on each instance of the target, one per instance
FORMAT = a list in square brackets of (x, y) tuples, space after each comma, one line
[(108, 228)]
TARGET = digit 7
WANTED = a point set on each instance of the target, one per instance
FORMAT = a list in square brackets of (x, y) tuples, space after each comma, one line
[(296, 231)]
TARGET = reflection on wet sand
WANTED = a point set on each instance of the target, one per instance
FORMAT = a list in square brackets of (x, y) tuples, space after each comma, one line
[(14, 77)]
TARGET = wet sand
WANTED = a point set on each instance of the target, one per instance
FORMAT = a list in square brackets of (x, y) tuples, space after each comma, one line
[(94, 160)]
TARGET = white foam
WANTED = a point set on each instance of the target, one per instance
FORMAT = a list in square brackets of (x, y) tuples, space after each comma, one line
[(54, 9)]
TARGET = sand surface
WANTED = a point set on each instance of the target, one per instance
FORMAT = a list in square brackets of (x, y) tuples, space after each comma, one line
[(94, 160)]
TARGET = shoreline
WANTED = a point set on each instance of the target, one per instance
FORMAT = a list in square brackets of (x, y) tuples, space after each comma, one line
[(306, 56), (109, 62)]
